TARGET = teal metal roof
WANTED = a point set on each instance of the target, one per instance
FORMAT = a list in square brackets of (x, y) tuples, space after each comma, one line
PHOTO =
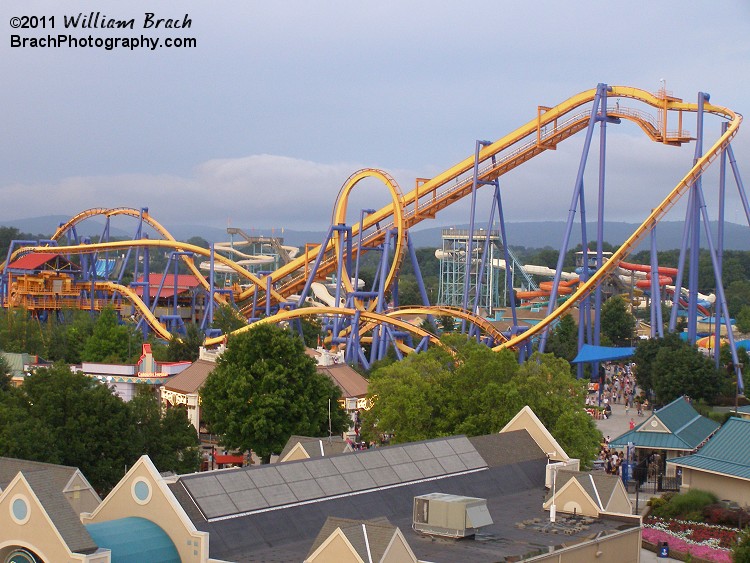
[(134, 540), (687, 429), (728, 452)]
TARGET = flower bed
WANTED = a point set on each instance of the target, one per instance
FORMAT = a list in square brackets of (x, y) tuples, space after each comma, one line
[(704, 541)]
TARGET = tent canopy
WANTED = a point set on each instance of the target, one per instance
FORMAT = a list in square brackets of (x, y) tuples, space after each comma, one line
[(590, 353)]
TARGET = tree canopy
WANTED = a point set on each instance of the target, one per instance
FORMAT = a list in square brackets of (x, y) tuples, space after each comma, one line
[(58, 416), (671, 367), (617, 324), (264, 389), (433, 394), (563, 341)]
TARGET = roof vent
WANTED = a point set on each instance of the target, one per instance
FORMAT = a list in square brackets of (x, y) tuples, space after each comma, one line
[(449, 516)]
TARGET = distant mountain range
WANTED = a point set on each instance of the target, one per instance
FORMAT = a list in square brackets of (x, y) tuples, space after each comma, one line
[(537, 234)]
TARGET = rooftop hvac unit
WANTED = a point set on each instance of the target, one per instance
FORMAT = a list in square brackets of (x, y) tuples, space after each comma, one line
[(451, 516)]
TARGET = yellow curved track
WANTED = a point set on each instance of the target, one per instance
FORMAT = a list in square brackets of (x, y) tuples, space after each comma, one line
[(130, 212), (288, 315), (123, 244), (550, 127)]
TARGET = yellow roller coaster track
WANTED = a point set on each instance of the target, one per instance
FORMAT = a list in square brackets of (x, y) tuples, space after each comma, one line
[(545, 132), (291, 314), (123, 244)]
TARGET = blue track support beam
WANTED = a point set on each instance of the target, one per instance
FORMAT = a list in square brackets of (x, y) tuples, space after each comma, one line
[(681, 265), (572, 209), (657, 323), (417, 273), (720, 295), (469, 243), (695, 239), (506, 255), (720, 241)]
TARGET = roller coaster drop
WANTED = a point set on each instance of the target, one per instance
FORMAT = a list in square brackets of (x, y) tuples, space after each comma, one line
[(363, 316)]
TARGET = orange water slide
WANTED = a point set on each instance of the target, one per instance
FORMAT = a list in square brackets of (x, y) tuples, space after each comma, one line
[(545, 289), (663, 270)]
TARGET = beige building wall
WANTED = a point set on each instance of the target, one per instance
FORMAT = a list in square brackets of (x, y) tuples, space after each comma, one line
[(190, 401), (37, 533), (336, 549), (619, 502), (722, 486), (296, 453), (571, 498), (159, 507), (527, 420), (620, 547), (398, 551), (80, 495)]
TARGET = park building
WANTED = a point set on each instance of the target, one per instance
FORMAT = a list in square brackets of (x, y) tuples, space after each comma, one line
[(405, 502)]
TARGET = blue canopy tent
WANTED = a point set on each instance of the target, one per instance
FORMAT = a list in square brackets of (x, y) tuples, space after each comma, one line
[(590, 353)]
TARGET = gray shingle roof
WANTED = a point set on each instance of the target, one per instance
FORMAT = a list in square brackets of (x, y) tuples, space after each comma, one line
[(59, 474), (60, 512), (379, 534)]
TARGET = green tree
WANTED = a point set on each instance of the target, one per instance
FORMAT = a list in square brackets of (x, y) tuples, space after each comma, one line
[(617, 324), (167, 437), (447, 323), (685, 371), (187, 347), (264, 389), (90, 427), (741, 551), (226, 319), (645, 356), (743, 319), (563, 342), (5, 374), (109, 341), (67, 338), (738, 295), (477, 392)]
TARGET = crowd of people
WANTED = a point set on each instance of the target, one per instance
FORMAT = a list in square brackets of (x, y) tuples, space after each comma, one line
[(616, 385)]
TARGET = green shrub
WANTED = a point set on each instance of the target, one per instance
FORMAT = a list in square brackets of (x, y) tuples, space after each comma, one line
[(687, 506), (741, 552), (656, 502)]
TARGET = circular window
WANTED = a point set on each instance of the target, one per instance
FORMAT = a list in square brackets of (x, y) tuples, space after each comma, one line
[(19, 509), (141, 491), (21, 556)]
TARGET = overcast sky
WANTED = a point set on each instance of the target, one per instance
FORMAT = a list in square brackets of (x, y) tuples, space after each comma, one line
[(261, 123)]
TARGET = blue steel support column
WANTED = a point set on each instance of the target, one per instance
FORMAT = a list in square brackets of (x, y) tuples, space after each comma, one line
[(572, 209), (720, 295), (362, 214), (657, 324), (314, 269), (467, 273), (146, 285), (584, 309), (506, 255), (681, 264), (720, 241), (695, 241), (417, 272)]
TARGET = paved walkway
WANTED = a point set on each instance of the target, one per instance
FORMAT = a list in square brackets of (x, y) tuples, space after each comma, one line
[(614, 426)]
